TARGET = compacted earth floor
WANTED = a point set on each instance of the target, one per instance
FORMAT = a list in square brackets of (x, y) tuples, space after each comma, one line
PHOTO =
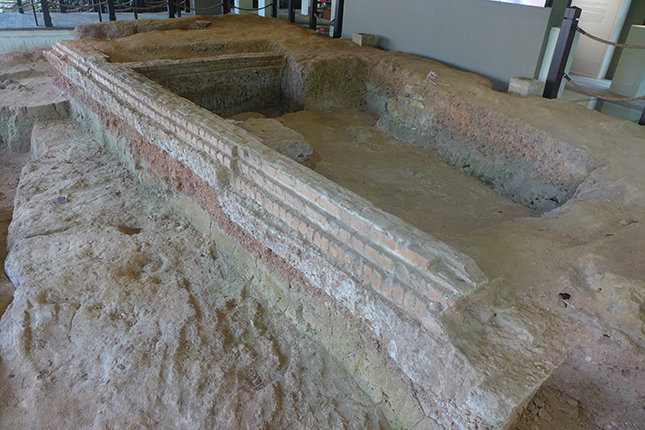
[(406, 181)]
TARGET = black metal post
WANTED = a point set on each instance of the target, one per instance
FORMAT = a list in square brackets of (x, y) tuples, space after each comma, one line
[(225, 7), (63, 8), (291, 15), (111, 11), (33, 6), (46, 16), (642, 120), (171, 8), (135, 7), (338, 20), (313, 11), (20, 10), (99, 9), (274, 9), (179, 8), (562, 51)]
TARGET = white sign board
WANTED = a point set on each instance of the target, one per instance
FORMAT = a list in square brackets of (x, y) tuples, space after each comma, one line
[(602, 18)]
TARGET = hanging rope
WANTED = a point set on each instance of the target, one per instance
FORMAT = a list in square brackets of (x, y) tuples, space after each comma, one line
[(204, 9), (601, 96), (608, 42), (251, 10)]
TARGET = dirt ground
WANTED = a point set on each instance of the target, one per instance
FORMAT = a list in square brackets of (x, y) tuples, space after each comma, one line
[(471, 217)]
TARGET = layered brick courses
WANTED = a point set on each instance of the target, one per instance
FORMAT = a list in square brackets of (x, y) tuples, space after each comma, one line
[(342, 226), (369, 261)]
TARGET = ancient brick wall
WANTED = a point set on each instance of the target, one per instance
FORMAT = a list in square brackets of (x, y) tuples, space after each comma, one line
[(393, 278)]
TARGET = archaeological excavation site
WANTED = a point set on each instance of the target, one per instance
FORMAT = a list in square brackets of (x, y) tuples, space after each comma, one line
[(231, 222)]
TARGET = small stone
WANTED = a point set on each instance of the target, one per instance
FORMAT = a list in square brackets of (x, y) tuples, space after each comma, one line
[(201, 24), (525, 86), (364, 39), (545, 415), (573, 402), (281, 139)]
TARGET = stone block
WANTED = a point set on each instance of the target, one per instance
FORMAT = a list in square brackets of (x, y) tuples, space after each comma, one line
[(526, 86), (280, 138), (364, 39)]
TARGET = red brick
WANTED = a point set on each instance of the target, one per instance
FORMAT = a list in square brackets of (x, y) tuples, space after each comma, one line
[(367, 274), (398, 294), (322, 219), (287, 181), (329, 207), (434, 295), (371, 253), (345, 236), (360, 225), (269, 171), (376, 279), (306, 193), (385, 261), (357, 244), (383, 239), (325, 244), (386, 287), (415, 258), (333, 250)]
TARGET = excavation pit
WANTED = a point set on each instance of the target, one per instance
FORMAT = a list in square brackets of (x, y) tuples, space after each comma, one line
[(446, 315)]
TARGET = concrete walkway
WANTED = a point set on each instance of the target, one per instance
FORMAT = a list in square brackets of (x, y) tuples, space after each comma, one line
[(16, 21), (19, 32)]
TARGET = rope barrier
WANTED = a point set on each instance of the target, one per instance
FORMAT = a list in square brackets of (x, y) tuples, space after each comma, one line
[(205, 9), (608, 42), (602, 96), (251, 10)]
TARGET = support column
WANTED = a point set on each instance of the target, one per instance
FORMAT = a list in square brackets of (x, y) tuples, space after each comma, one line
[(46, 16), (263, 3), (313, 10), (337, 9), (291, 14), (246, 4), (562, 51)]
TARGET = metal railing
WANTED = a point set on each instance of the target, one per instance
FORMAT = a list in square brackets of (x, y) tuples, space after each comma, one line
[(175, 8), (561, 56)]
